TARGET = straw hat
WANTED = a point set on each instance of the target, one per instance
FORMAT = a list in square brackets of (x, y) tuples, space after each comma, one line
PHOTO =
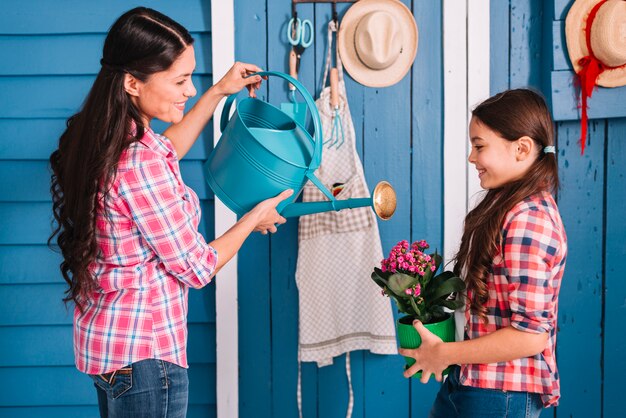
[(377, 41), (607, 38)]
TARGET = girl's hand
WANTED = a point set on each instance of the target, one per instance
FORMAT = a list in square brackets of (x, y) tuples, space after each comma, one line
[(234, 80), (427, 356), (265, 214)]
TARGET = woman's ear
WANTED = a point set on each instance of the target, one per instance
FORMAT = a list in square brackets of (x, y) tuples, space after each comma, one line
[(525, 148), (131, 85)]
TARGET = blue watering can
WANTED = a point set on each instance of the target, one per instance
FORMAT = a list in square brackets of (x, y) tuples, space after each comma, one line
[(263, 151)]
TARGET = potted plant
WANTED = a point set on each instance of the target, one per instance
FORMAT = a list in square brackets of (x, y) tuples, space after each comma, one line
[(407, 276)]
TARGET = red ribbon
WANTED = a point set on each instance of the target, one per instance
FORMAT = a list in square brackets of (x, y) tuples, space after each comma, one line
[(588, 75)]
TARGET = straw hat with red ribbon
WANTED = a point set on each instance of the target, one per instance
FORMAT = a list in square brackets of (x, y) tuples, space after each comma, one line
[(595, 31)]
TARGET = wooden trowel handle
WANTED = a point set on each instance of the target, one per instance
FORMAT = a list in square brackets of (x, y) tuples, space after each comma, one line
[(334, 87), (293, 61)]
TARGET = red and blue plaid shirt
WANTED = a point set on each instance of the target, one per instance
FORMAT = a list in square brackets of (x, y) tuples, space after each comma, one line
[(523, 293), (150, 253)]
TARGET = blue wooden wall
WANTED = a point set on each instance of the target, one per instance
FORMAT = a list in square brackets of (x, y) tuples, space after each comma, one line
[(530, 50), (50, 54), (399, 138)]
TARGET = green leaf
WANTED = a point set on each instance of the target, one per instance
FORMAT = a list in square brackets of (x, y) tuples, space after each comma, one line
[(451, 285), (399, 282), (380, 281), (437, 281), (452, 304), (438, 259), (383, 274), (418, 311)]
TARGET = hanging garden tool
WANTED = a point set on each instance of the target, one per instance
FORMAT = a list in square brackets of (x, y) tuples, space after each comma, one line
[(336, 134), (300, 36)]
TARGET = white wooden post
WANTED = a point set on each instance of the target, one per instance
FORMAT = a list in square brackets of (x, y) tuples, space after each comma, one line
[(466, 83), (227, 352)]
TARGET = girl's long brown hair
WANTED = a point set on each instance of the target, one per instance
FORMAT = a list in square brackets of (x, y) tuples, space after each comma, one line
[(511, 114), (141, 42)]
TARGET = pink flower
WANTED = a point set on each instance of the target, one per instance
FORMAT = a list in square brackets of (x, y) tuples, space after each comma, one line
[(408, 291), (417, 290)]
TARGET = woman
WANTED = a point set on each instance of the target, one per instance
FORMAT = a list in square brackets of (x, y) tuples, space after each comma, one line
[(127, 224)]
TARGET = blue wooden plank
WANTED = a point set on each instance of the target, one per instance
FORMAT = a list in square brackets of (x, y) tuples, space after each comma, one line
[(499, 52), (283, 246), (615, 265), (604, 103), (561, 7), (580, 302), (560, 56), (57, 96), (29, 138), (41, 304), (548, 52), (76, 16), (72, 54), (427, 175), (253, 269), (193, 411), (30, 222), (21, 346), (36, 139), (25, 223), (25, 181), (387, 153), (333, 387), (16, 264), (193, 176), (525, 43), (77, 388)]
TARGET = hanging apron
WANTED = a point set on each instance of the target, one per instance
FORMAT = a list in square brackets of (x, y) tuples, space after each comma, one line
[(341, 309)]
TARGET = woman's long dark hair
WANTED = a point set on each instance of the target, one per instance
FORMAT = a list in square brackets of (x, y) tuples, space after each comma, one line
[(141, 42), (511, 114)]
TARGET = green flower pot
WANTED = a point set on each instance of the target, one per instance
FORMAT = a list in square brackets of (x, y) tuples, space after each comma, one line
[(409, 338)]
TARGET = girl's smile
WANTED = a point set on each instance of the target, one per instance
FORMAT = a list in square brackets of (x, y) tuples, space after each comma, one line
[(498, 160)]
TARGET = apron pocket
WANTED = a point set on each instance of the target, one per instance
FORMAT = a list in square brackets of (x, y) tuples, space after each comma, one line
[(333, 222)]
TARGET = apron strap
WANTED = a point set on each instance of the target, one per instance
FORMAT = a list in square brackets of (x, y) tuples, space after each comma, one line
[(332, 27)]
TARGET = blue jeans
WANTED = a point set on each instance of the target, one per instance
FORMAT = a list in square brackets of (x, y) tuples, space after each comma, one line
[(456, 400), (148, 388)]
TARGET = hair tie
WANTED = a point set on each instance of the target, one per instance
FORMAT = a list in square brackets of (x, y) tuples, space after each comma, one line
[(550, 149), (111, 67)]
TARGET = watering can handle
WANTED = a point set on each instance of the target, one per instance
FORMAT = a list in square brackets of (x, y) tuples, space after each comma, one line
[(226, 111), (317, 123)]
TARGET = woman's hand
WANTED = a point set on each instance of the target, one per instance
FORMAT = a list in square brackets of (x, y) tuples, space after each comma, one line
[(265, 215), (427, 356), (235, 79)]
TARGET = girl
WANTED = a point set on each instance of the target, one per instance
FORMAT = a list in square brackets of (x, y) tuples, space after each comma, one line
[(128, 225), (512, 257)]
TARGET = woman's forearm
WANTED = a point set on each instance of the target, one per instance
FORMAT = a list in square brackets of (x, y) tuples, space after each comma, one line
[(503, 345), (184, 134)]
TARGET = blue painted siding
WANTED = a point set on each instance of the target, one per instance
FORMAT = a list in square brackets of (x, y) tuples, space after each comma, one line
[(399, 137), (590, 336), (51, 53)]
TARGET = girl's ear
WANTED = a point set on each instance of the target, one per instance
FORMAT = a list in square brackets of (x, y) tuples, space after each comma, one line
[(131, 85), (525, 148)]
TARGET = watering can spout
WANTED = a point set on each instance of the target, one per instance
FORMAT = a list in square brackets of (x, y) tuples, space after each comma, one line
[(383, 201)]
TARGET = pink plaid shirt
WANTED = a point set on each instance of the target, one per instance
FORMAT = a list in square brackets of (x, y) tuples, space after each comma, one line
[(524, 289), (150, 253)]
